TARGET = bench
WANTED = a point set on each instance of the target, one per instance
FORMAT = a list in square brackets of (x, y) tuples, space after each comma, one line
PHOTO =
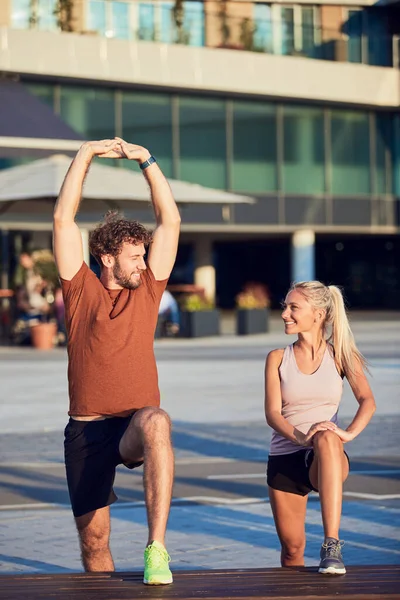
[(301, 583)]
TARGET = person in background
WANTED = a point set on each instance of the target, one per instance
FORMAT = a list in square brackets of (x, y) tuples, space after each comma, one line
[(168, 312), (303, 390), (32, 305)]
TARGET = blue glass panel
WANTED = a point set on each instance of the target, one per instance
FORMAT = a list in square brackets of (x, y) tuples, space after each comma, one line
[(90, 111), (350, 152), (263, 35), (194, 23), (308, 32), (396, 156), (354, 31), (384, 147), (379, 41), (147, 121), (167, 33), (254, 147), (20, 14), (46, 17), (287, 31), (303, 150), (146, 22), (202, 128), (97, 16), (120, 20)]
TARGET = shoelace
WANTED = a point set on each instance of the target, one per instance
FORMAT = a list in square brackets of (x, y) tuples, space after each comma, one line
[(156, 556), (334, 549)]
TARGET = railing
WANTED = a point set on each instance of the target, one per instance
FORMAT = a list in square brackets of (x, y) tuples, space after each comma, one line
[(190, 23)]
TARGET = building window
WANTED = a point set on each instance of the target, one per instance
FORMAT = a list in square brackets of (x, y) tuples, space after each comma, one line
[(286, 30), (96, 18), (90, 111), (254, 147), (263, 28), (194, 22), (148, 21), (368, 40), (157, 22), (39, 14), (350, 139), (303, 150), (114, 19), (202, 140), (147, 121), (384, 150)]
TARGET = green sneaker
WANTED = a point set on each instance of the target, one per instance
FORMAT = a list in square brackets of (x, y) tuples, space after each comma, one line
[(156, 569)]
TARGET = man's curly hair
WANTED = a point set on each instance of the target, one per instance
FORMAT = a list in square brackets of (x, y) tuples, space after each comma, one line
[(111, 234)]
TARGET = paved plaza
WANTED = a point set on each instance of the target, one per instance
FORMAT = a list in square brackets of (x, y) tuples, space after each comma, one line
[(220, 516)]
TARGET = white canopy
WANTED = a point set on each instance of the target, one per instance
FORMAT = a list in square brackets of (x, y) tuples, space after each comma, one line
[(42, 179)]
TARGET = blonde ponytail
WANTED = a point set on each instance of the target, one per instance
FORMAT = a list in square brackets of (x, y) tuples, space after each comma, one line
[(347, 355), (330, 299)]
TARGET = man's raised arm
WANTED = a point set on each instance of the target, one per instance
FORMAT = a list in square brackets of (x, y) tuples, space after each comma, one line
[(67, 240), (164, 246)]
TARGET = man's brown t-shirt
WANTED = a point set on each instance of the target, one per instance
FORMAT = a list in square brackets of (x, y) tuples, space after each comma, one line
[(112, 368)]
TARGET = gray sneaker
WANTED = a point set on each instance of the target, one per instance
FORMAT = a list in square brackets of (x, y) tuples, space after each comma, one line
[(331, 558)]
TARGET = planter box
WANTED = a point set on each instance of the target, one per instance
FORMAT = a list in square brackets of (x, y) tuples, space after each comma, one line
[(250, 321), (201, 323)]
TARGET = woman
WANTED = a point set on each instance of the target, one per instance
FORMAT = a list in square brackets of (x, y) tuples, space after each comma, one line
[(303, 389)]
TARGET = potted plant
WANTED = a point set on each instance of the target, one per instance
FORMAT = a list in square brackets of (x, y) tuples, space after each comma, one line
[(252, 315), (44, 332), (199, 317)]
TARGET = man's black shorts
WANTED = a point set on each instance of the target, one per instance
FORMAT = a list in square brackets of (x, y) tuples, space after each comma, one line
[(91, 450), (290, 472)]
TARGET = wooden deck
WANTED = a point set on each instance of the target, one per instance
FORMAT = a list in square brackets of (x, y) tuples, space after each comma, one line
[(359, 583)]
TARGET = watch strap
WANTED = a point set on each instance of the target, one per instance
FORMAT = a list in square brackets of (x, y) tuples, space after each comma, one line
[(147, 163)]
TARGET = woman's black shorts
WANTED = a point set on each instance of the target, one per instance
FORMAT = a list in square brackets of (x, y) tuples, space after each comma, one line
[(91, 450), (290, 472)]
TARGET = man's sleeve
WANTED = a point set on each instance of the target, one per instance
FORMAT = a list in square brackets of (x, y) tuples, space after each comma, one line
[(72, 290), (155, 288)]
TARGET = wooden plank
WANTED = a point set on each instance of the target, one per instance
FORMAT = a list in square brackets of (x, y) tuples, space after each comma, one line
[(360, 583)]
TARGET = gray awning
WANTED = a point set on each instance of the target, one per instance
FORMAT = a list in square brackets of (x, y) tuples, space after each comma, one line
[(28, 192), (29, 127)]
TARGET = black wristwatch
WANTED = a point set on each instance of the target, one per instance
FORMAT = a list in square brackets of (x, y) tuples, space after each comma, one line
[(147, 163)]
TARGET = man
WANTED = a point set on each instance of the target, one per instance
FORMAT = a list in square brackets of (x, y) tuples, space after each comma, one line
[(114, 398)]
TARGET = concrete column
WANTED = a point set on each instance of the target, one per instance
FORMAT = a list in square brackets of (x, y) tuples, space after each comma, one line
[(303, 255), (204, 272), (85, 244)]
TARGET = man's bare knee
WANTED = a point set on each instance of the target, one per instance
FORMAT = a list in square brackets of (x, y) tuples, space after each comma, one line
[(153, 422)]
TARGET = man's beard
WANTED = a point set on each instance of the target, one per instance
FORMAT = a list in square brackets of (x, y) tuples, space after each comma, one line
[(122, 279)]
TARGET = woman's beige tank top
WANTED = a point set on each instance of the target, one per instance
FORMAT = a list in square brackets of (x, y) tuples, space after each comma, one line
[(307, 399)]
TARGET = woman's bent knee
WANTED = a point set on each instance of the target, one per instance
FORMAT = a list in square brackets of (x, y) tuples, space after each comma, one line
[(293, 551), (327, 439)]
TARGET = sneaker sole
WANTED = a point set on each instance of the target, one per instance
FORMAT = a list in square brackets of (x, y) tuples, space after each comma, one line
[(163, 582), (332, 571)]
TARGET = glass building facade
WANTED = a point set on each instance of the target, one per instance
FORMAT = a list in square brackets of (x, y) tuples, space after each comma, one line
[(254, 147)]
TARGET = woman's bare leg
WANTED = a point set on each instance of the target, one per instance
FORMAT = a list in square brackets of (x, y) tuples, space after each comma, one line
[(289, 512)]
